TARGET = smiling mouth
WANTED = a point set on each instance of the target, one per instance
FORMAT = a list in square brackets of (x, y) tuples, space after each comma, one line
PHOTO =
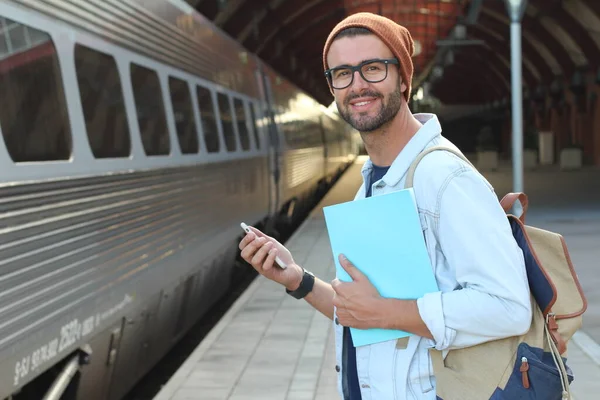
[(363, 104)]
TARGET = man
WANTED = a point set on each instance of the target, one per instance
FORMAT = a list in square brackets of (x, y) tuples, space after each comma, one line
[(478, 266)]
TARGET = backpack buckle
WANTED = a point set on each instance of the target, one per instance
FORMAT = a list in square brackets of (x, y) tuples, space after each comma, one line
[(553, 329)]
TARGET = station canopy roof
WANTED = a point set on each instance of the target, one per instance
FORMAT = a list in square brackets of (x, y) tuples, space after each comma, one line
[(462, 47)]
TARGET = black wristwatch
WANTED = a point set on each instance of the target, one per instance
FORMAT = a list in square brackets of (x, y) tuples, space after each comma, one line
[(306, 285)]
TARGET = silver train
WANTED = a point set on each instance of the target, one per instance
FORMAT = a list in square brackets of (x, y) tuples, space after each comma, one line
[(136, 138)]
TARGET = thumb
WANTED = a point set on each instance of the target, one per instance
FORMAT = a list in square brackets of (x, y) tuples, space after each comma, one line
[(354, 272)]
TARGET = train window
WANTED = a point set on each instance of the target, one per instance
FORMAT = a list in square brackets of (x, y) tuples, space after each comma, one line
[(295, 133), (254, 126), (102, 102), (302, 134), (207, 117), (226, 121), (184, 115), (33, 116), (150, 110), (240, 117)]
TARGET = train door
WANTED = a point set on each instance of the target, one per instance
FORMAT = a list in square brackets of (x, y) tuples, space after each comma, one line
[(274, 148), (96, 377)]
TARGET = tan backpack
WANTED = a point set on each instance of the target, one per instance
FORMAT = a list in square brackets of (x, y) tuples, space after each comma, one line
[(531, 366)]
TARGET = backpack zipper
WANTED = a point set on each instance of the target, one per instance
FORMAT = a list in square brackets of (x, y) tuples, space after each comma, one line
[(524, 368)]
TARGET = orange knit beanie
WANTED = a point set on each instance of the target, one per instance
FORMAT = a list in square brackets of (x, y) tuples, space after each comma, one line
[(395, 36)]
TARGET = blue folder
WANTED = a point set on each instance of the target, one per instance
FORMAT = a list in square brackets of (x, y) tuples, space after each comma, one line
[(383, 238)]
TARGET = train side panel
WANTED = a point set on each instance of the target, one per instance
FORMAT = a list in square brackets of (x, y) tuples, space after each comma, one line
[(93, 242)]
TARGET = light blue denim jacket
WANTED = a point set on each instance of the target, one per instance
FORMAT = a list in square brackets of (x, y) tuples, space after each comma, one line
[(478, 266)]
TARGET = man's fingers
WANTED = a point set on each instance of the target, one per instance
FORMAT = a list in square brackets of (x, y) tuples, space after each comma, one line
[(258, 233), (270, 260), (354, 272), (246, 240), (251, 249), (339, 287), (248, 248), (261, 254)]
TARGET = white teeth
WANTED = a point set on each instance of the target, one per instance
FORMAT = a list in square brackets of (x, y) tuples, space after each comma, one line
[(362, 103)]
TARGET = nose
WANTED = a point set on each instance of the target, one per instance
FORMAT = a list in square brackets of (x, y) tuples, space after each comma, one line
[(358, 82)]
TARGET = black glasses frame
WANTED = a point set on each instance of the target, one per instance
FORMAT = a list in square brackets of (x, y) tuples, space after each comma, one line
[(353, 69)]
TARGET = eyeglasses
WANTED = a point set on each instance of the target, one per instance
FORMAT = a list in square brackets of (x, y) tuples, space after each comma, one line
[(372, 71)]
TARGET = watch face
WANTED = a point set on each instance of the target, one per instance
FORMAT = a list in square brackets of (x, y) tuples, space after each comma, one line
[(305, 287)]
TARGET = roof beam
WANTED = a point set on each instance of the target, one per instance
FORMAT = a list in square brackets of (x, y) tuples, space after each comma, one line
[(555, 10), (537, 29), (479, 65), (232, 8), (534, 28), (490, 58), (474, 92), (454, 89), (273, 17), (289, 28), (503, 50), (594, 5), (252, 29), (244, 17), (314, 34), (285, 20), (473, 12), (208, 8), (498, 73), (536, 58)]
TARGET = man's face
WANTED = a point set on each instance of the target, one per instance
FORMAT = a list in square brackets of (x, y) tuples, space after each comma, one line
[(364, 105)]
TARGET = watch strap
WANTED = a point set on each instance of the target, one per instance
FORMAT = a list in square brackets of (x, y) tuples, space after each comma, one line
[(306, 286)]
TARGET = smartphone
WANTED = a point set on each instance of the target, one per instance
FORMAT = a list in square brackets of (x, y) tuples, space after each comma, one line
[(277, 259)]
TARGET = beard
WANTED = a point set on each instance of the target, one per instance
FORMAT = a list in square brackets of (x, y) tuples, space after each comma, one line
[(361, 121)]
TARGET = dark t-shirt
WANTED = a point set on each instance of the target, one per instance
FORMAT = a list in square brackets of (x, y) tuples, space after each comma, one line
[(376, 174), (350, 380)]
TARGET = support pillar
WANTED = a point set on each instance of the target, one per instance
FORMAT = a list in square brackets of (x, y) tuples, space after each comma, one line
[(515, 10)]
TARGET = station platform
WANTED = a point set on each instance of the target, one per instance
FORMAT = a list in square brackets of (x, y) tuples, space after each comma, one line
[(271, 346)]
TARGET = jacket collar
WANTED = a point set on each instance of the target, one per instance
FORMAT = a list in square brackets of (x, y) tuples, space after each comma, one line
[(430, 130)]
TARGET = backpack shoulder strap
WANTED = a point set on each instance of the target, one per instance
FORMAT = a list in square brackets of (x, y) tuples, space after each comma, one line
[(413, 165)]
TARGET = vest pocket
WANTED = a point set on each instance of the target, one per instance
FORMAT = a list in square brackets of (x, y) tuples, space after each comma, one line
[(535, 376)]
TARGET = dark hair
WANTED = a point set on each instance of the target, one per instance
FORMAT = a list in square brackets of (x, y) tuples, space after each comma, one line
[(353, 31)]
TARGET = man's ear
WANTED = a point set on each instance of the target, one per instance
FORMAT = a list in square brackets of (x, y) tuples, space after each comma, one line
[(402, 87)]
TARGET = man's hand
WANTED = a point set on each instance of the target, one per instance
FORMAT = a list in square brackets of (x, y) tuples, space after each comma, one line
[(357, 302), (359, 305), (260, 250)]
